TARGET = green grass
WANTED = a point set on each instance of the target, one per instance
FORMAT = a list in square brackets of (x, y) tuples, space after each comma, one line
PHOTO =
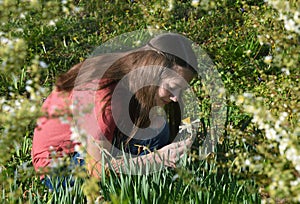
[(193, 182), (74, 37), (201, 181)]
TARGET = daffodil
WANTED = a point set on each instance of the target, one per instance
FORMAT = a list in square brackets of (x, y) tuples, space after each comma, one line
[(188, 125)]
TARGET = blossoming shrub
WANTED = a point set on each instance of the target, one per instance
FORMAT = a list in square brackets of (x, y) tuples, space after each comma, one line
[(22, 73), (255, 46), (272, 157)]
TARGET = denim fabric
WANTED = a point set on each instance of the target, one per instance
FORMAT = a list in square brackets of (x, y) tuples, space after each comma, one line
[(63, 181)]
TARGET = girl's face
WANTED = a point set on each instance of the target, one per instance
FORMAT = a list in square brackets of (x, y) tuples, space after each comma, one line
[(171, 87)]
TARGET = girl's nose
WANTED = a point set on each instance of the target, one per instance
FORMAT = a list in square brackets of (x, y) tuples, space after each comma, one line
[(173, 98)]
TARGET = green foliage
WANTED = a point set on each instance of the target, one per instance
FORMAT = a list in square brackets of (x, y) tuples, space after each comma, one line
[(255, 47)]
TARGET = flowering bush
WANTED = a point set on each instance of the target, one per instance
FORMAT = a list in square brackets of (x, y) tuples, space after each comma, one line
[(274, 105)]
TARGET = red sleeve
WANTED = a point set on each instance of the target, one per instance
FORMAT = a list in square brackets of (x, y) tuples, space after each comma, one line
[(51, 133)]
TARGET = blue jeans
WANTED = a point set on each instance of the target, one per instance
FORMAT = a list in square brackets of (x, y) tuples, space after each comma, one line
[(63, 181)]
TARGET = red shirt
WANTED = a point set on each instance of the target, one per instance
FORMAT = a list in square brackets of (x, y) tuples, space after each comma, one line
[(62, 109)]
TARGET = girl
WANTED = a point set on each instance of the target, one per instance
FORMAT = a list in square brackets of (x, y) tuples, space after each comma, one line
[(112, 100)]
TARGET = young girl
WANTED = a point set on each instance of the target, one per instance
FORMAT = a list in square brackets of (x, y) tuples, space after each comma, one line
[(112, 100)]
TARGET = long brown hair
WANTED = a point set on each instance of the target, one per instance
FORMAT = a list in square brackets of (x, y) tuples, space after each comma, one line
[(143, 99)]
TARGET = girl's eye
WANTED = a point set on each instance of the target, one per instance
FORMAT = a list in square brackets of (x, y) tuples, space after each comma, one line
[(174, 89), (173, 86)]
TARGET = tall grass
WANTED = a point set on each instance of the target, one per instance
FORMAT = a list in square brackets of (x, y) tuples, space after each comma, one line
[(228, 31), (202, 181)]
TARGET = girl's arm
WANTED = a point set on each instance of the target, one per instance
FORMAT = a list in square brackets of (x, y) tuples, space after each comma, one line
[(99, 160)]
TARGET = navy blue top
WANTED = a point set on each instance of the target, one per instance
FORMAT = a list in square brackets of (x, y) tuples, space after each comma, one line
[(154, 139), (151, 144)]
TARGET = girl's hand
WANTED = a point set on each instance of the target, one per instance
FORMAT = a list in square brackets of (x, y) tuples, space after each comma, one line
[(170, 154), (167, 156)]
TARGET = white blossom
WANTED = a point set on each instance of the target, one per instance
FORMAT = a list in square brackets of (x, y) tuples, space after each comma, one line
[(268, 59), (188, 126), (6, 108), (74, 135), (29, 82), (64, 120), (195, 3), (285, 71), (32, 109), (43, 64), (247, 162), (28, 88), (271, 134), (18, 104), (5, 41), (289, 25), (257, 158), (22, 15), (52, 23), (170, 5), (248, 52), (77, 9), (295, 182), (248, 95)]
